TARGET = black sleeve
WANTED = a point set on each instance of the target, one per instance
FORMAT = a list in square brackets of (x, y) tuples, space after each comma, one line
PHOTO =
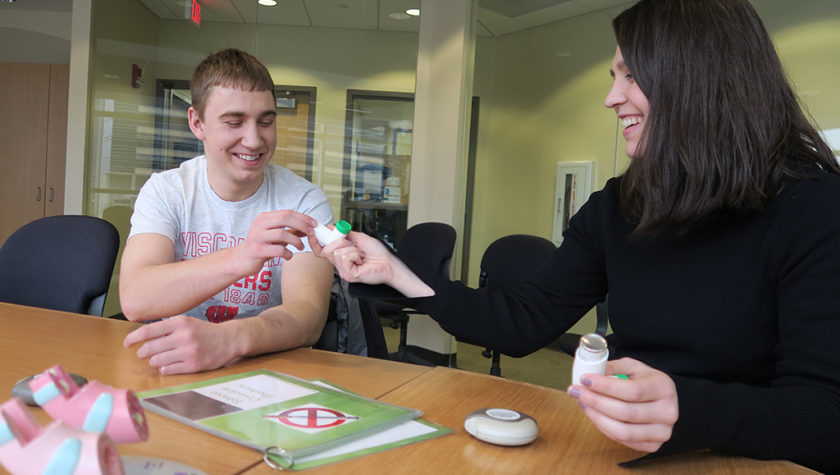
[(520, 322)]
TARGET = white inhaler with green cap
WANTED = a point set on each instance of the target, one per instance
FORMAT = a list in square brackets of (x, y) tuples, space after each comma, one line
[(590, 357), (325, 235)]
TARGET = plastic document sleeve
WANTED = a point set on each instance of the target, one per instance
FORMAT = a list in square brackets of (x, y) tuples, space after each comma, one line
[(283, 417)]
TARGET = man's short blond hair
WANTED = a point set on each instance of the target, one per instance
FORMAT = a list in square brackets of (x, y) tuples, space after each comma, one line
[(228, 68)]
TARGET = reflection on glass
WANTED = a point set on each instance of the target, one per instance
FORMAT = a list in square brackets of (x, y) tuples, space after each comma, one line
[(295, 129), (377, 162)]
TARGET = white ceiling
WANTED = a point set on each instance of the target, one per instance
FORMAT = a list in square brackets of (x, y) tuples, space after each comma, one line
[(495, 17)]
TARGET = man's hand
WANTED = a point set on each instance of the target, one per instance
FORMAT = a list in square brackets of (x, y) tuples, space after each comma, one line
[(184, 344), (268, 237), (639, 412)]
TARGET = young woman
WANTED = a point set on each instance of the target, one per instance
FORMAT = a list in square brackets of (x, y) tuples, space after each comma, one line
[(719, 247)]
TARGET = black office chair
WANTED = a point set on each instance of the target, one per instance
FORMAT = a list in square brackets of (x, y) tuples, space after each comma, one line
[(59, 262), (568, 342), (431, 244), (507, 263)]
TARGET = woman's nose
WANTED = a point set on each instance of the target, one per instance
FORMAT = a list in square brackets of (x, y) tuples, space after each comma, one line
[(615, 96)]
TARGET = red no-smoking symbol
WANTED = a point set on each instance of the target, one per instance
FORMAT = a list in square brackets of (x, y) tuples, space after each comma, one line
[(312, 417)]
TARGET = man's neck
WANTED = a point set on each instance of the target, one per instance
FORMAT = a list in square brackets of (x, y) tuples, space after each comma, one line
[(229, 189)]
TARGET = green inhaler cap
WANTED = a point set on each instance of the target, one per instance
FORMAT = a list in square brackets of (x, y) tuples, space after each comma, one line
[(343, 227)]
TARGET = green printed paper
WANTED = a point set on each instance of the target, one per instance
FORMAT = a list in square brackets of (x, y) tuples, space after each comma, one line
[(263, 409)]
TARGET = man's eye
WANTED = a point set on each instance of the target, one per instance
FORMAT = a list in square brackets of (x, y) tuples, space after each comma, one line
[(233, 123), (266, 123)]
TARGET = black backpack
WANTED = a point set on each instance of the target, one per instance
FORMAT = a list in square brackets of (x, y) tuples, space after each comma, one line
[(353, 325)]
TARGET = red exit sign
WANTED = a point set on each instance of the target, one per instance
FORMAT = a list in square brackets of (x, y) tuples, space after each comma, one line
[(195, 13)]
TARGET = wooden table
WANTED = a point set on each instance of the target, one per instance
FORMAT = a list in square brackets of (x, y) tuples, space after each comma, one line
[(31, 340)]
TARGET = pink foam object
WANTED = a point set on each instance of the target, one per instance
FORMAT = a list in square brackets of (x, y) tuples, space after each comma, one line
[(27, 448), (93, 407)]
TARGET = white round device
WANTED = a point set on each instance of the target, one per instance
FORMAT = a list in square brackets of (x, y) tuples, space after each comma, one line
[(501, 426)]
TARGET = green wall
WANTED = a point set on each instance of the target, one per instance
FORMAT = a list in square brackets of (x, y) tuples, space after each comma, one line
[(542, 92)]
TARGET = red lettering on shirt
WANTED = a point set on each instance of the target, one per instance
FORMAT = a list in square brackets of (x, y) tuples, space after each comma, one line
[(220, 313), (251, 282), (265, 280), (204, 244)]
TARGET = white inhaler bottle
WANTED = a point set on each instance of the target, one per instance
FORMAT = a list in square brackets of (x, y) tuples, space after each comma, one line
[(590, 357), (325, 235)]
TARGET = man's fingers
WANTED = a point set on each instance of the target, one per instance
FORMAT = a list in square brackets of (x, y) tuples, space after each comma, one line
[(286, 218), (148, 331)]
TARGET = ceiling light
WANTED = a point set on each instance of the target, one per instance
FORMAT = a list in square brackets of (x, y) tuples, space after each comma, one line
[(267, 3), (398, 16), (413, 12)]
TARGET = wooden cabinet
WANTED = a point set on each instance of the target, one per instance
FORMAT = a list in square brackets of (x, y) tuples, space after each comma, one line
[(33, 142)]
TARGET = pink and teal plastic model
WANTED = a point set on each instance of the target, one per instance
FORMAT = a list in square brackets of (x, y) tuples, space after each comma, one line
[(28, 448), (94, 407)]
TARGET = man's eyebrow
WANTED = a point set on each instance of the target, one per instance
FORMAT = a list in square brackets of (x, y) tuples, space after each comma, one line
[(232, 114), (239, 114)]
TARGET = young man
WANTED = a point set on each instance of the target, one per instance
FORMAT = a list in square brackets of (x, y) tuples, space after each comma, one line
[(218, 239)]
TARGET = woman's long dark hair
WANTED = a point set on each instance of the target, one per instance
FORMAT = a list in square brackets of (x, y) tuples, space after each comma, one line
[(724, 127)]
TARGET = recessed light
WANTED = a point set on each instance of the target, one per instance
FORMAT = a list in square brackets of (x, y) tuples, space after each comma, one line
[(399, 16), (413, 12), (267, 3)]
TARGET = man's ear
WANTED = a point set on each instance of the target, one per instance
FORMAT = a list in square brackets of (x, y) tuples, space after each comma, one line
[(196, 125)]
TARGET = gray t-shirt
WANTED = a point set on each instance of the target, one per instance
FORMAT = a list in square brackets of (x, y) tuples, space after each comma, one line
[(180, 205)]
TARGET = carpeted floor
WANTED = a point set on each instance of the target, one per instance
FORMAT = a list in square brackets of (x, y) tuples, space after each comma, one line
[(546, 367)]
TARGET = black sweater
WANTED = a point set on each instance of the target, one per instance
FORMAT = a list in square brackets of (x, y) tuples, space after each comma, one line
[(744, 315)]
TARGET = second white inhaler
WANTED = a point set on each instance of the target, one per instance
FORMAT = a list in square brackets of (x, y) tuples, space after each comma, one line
[(590, 357)]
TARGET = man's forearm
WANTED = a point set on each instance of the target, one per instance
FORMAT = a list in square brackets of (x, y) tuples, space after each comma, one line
[(164, 290), (280, 328)]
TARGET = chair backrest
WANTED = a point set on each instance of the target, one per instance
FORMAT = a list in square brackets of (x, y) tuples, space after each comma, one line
[(511, 260), (430, 244), (59, 262)]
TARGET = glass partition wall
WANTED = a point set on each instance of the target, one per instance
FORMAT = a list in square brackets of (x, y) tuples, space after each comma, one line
[(377, 162), (143, 55)]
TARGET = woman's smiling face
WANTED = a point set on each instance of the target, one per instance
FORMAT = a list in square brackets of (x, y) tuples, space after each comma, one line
[(630, 104)]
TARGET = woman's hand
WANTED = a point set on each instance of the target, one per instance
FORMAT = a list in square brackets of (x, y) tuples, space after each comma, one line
[(639, 412), (361, 258)]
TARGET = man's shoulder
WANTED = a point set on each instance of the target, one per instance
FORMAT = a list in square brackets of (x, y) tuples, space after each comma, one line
[(285, 180), (188, 171), (287, 190), (280, 172)]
